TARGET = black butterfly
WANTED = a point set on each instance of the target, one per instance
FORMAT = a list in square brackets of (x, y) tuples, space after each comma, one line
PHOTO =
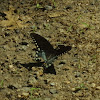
[(46, 50)]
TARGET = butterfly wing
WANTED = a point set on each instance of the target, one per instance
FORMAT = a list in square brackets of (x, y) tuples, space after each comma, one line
[(45, 49), (62, 49), (41, 42)]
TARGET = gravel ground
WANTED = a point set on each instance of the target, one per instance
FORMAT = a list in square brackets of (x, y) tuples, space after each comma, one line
[(68, 22)]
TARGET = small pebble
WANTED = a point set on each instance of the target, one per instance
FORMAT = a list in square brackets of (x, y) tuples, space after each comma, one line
[(93, 84), (47, 81), (25, 94), (11, 66), (76, 99), (32, 80), (77, 74), (26, 89), (83, 25), (73, 89), (55, 95), (47, 99), (59, 66), (52, 84), (53, 91), (6, 47), (48, 7), (17, 31), (17, 85), (24, 47), (66, 82), (19, 96), (36, 94), (98, 87)]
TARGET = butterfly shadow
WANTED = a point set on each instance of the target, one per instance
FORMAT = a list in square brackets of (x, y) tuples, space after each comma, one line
[(48, 70)]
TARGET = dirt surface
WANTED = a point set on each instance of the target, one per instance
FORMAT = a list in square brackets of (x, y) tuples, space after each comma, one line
[(67, 22)]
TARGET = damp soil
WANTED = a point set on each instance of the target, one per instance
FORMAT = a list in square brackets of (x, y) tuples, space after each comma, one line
[(75, 75)]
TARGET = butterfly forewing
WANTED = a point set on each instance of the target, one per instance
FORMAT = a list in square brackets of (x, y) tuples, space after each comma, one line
[(43, 46), (42, 43)]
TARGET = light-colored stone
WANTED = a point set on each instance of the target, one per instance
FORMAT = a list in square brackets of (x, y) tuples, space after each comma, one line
[(25, 94), (98, 87), (93, 84), (52, 84), (53, 91)]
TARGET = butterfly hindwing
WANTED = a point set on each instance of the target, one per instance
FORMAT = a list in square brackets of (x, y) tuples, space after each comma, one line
[(62, 49)]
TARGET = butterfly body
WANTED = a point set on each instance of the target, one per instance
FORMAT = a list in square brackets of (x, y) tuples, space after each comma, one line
[(46, 51)]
